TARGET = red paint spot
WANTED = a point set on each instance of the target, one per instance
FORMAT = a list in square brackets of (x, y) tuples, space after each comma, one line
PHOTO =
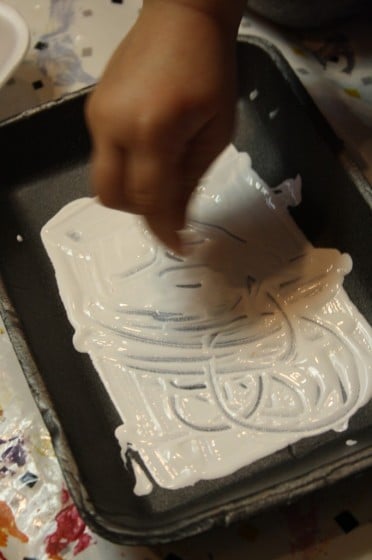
[(70, 527), (83, 543), (2, 557), (65, 496)]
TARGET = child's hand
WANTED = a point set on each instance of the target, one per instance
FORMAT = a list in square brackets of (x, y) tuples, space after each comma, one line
[(164, 109)]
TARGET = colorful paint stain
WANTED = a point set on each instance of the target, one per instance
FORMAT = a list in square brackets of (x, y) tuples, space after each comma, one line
[(8, 527), (70, 530), (14, 454), (352, 92)]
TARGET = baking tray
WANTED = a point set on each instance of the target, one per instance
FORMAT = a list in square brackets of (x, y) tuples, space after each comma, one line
[(44, 165)]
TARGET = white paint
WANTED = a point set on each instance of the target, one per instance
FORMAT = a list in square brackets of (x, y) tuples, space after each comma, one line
[(218, 359), (351, 442), (273, 113), (253, 94), (19, 238), (143, 485)]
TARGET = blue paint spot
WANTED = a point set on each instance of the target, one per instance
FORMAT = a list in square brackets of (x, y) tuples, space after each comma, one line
[(29, 478)]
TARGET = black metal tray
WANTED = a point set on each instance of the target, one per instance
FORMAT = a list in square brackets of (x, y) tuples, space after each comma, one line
[(44, 158)]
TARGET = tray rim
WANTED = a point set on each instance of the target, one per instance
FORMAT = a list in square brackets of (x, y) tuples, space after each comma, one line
[(275, 494), (282, 492)]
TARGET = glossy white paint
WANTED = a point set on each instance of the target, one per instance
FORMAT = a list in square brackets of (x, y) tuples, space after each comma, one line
[(225, 356)]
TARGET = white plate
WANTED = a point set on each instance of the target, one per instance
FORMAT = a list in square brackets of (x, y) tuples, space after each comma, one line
[(14, 40)]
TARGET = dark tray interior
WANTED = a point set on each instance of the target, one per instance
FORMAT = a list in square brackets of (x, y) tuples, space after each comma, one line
[(43, 166)]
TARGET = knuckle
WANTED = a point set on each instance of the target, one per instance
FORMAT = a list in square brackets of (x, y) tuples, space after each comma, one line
[(150, 127), (159, 118), (103, 111)]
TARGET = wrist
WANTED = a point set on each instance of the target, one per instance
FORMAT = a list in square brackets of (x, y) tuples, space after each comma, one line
[(225, 13)]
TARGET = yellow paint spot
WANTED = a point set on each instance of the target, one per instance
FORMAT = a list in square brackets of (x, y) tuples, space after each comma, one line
[(43, 446), (2, 331), (8, 526), (352, 92)]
